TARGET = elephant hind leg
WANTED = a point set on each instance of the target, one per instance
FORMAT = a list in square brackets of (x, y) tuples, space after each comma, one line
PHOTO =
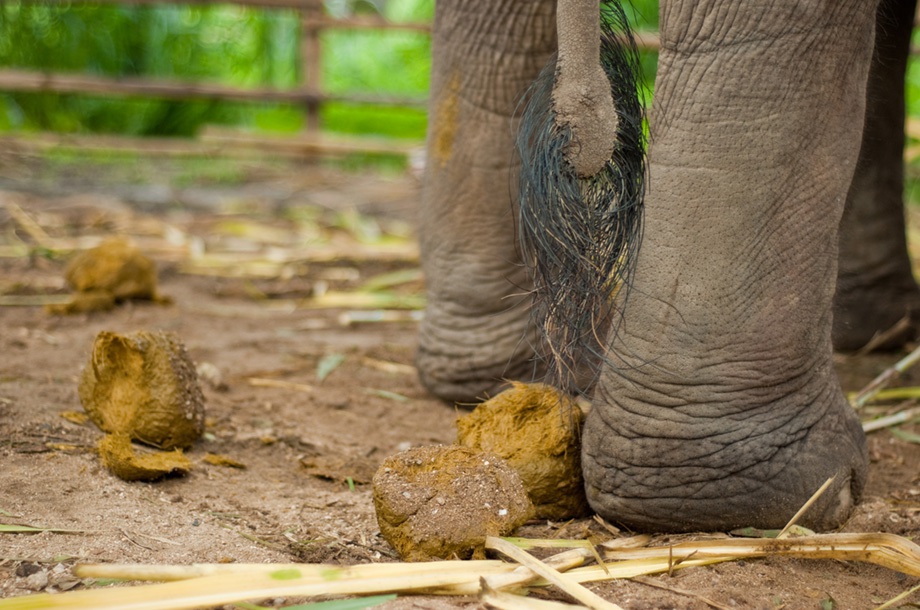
[(457, 365), (875, 285), (477, 331), (721, 407)]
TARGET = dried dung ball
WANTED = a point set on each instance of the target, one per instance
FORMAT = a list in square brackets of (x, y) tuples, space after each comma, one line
[(113, 271), (537, 430), (85, 302), (143, 385), (441, 502), (115, 266), (121, 459)]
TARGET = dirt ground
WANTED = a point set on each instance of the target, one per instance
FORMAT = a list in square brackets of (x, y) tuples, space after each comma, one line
[(273, 268)]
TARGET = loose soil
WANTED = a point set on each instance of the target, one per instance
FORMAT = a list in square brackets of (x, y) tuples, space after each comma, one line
[(295, 439)]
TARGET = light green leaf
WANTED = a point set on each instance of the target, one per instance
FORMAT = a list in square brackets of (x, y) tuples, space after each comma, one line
[(904, 435), (286, 574), (393, 278), (331, 574), (327, 364), (9, 528), (903, 393), (387, 394)]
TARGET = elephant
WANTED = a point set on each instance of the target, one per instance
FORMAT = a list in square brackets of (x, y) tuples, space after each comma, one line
[(773, 232)]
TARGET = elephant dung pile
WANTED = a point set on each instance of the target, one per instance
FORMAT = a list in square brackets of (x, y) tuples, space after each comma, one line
[(518, 457), (442, 501), (142, 387), (537, 430), (113, 271)]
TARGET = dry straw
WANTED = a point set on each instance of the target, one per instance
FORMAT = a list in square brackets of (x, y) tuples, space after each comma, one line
[(206, 585)]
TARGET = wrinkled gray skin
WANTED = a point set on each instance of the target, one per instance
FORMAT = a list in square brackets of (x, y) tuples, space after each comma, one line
[(720, 407)]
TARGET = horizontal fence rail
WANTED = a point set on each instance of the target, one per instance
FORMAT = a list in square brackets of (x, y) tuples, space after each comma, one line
[(52, 82), (310, 95)]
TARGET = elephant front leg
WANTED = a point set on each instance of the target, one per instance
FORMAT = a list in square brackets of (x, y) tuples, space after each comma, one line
[(875, 285), (477, 331), (720, 407)]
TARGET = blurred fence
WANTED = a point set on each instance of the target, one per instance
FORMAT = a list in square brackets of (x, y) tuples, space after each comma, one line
[(309, 94)]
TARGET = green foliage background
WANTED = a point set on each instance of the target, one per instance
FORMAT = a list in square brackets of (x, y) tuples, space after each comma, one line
[(226, 44), (243, 47)]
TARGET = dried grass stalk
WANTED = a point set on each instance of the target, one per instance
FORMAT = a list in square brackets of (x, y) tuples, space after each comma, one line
[(318, 572), (798, 515), (570, 586), (523, 575), (887, 550), (508, 601), (207, 585), (279, 581), (679, 591), (898, 598), (891, 420), (33, 300), (885, 379), (28, 224), (260, 382)]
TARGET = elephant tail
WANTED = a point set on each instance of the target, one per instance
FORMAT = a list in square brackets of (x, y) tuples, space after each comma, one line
[(580, 235)]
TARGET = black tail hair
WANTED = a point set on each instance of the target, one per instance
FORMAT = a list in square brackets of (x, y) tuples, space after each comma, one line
[(580, 235)]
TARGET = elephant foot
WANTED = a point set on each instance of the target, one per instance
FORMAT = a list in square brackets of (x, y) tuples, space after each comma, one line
[(719, 406), (887, 314), (717, 466), (465, 358)]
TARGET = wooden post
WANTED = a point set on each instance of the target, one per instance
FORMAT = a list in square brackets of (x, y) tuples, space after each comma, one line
[(311, 17)]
